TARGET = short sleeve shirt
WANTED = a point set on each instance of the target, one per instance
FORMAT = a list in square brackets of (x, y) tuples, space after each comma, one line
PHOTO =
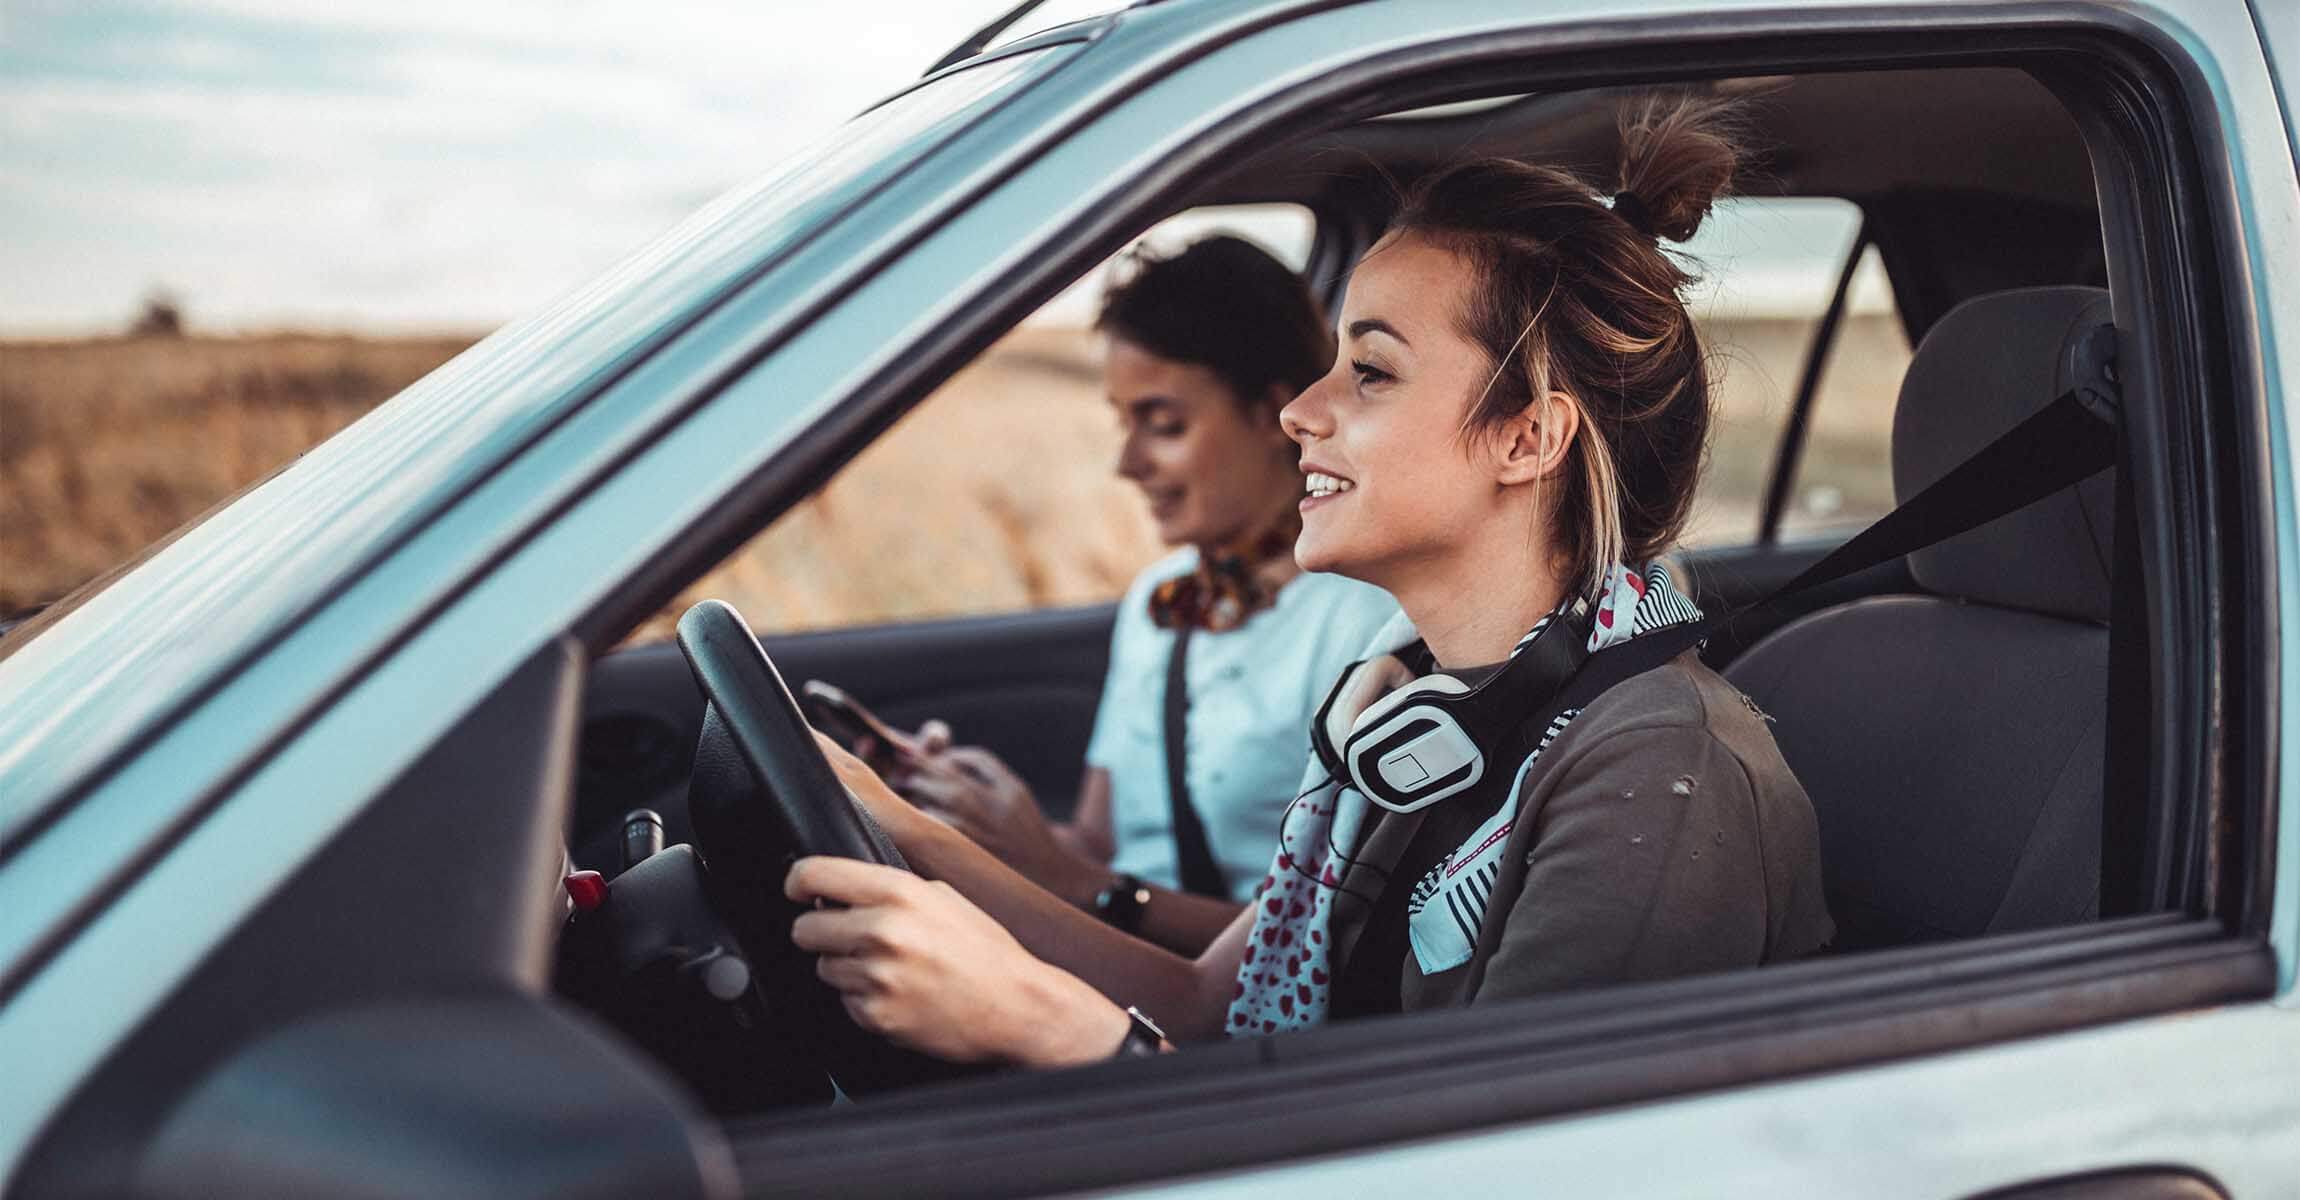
[(1253, 691)]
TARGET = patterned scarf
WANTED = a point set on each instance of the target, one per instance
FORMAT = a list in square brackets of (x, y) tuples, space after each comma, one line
[(1229, 583), (1285, 977)]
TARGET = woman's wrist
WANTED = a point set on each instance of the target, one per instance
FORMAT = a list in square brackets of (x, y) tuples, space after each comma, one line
[(1065, 1023), (927, 845), (1081, 881)]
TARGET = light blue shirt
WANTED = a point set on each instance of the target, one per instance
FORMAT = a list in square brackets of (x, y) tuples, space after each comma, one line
[(1253, 691)]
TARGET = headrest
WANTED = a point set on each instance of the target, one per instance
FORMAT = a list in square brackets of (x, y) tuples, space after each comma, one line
[(1984, 367)]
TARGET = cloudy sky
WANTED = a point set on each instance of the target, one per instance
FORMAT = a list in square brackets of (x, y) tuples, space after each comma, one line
[(404, 165), (398, 164)]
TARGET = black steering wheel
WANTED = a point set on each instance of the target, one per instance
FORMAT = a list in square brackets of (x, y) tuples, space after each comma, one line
[(760, 722), (761, 796)]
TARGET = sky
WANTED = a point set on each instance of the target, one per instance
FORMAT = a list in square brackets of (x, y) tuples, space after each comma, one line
[(392, 166), (399, 164)]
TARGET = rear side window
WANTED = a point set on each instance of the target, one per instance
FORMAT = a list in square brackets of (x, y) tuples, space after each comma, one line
[(1769, 268)]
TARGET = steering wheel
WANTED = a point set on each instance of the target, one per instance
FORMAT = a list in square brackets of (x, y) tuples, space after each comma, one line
[(761, 723), (762, 794)]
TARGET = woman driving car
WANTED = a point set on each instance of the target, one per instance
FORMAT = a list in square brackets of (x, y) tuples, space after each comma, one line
[(1220, 650), (1507, 442)]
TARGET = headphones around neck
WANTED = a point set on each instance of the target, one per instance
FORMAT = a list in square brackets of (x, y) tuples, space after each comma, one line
[(1430, 738)]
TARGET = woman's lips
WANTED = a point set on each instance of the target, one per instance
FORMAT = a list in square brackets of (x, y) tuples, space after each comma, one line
[(1323, 487)]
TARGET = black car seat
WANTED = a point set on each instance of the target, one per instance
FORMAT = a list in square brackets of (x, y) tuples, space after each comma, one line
[(1952, 743)]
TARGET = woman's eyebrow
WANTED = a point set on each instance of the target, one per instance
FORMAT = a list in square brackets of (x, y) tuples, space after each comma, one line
[(1361, 328)]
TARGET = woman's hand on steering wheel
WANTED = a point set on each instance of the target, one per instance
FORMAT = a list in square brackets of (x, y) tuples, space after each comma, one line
[(917, 963)]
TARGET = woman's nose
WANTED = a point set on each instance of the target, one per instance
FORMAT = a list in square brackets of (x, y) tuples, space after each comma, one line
[(1307, 416), (1133, 465)]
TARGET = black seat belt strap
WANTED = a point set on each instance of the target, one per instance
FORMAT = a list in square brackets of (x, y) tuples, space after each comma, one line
[(2065, 443), (1194, 865)]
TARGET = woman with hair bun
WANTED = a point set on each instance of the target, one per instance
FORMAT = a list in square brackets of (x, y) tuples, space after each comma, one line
[(1507, 443)]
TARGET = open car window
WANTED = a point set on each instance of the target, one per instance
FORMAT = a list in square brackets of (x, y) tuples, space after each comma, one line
[(997, 493)]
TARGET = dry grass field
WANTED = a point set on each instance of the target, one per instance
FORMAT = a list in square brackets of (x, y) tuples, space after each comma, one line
[(110, 443), (993, 495)]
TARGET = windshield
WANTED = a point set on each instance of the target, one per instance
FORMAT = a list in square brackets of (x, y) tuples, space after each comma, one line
[(217, 588)]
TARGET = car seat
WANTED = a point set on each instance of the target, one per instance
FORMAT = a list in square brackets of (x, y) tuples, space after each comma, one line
[(1952, 742)]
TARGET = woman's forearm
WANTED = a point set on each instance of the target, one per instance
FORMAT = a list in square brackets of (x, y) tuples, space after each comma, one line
[(1186, 996), (1184, 922)]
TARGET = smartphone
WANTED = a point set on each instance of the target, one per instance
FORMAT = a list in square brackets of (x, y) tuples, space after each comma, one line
[(844, 718)]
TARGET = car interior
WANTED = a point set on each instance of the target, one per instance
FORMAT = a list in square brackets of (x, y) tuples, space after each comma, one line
[(1026, 684), (1950, 715)]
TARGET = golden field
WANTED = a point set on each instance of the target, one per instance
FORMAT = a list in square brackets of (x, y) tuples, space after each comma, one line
[(995, 494)]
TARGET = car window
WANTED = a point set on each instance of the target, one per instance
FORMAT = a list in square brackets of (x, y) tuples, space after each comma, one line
[(995, 494), (1843, 479), (1769, 266)]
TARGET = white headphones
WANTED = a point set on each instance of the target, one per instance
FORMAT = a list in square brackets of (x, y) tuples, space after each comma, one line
[(1430, 738)]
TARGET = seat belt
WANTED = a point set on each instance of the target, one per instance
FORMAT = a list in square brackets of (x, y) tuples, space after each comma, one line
[(2067, 442), (1195, 868)]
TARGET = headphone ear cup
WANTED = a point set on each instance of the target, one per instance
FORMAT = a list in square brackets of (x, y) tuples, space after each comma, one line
[(1427, 685), (1359, 688), (1427, 698)]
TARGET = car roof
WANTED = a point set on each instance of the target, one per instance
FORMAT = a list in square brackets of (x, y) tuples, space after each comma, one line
[(1850, 134)]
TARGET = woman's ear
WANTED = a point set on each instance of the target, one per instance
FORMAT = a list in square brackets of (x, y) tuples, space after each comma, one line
[(1532, 444)]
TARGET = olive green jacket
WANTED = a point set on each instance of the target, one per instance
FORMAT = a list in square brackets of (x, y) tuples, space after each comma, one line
[(1660, 835)]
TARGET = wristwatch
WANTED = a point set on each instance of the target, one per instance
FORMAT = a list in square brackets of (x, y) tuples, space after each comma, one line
[(1143, 1037), (1121, 903)]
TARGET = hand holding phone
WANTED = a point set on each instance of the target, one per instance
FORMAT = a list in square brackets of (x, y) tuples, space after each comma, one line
[(881, 746)]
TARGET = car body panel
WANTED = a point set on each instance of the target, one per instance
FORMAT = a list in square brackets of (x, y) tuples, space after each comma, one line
[(125, 892), (2210, 1090), (2279, 25), (2272, 235)]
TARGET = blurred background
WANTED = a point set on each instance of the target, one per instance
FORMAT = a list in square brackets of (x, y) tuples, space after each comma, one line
[(233, 226)]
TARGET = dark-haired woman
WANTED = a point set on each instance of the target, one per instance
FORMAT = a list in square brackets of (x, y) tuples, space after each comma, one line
[(1509, 439), (1202, 349)]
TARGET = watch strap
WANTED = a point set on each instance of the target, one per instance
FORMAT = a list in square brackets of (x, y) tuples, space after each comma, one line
[(1121, 903), (1143, 1037)]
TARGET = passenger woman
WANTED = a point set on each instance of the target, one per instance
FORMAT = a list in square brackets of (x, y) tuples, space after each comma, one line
[(1507, 442), (1222, 649)]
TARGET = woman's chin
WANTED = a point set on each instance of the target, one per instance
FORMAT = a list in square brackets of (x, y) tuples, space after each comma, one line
[(1176, 530), (1313, 553)]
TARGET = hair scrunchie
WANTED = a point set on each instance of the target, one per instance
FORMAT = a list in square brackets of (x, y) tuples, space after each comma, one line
[(1629, 208)]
